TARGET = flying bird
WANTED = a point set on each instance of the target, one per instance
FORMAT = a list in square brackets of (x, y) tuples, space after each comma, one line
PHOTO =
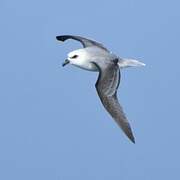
[(95, 57)]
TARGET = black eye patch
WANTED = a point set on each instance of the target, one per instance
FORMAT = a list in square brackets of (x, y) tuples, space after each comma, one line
[(75, 56)]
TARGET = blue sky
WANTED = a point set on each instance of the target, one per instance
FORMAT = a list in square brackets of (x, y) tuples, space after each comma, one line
[(52, 124)]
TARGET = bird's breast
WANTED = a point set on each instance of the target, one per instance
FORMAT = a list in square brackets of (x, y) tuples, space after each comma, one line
[(87, 66)]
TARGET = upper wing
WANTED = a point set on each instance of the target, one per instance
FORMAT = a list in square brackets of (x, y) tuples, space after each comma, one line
[(85, 42), (106, 85)]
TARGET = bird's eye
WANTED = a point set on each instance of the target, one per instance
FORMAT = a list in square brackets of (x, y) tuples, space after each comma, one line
[(75, 56)]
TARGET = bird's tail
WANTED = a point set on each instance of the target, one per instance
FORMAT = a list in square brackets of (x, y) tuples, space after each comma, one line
[(123, 63)]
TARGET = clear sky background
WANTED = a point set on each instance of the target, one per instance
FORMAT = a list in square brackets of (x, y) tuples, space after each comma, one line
[(52, 123)]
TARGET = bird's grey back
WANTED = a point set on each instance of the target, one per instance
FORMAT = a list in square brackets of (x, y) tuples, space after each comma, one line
[(100, 56)]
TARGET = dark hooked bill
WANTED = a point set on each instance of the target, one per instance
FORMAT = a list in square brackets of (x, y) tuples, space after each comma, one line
[(65, 62)]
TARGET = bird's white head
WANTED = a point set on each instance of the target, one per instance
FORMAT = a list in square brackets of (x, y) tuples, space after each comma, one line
[(80, 58), (77, 57)]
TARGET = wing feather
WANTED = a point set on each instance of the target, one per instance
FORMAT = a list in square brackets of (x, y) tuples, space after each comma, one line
[(84, 41), (106, 86)]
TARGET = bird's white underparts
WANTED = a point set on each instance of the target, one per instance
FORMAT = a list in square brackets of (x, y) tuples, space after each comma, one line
[(95, 57)]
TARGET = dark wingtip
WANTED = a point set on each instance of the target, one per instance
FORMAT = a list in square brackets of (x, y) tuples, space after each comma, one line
[(131, 137), (133, 140), (61, 38), (64, 37)]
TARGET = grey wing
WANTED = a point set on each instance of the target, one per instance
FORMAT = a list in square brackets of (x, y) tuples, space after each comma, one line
[(107, 85), (85, 42)]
